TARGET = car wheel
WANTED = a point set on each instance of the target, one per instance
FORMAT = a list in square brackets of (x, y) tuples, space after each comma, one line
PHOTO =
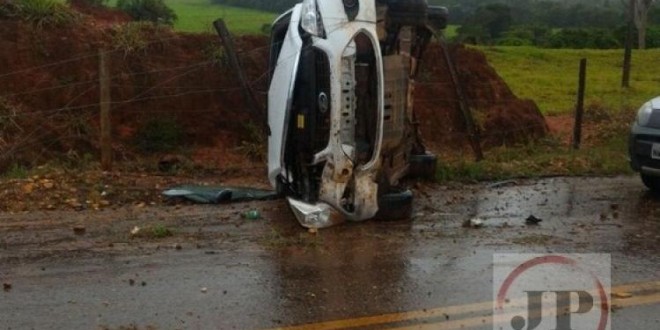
[(395, 206), (651, 182), (423, 166)]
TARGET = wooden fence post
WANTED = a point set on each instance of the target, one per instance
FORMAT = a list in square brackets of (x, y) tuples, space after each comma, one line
[(473, 132), (104, 103), (579, 111), (228, 44), (627, 55)]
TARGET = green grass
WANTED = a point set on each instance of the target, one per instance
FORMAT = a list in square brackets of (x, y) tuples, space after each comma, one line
[(547, 157), (451, 31), (550, 76), (197, 15), (603, 152)]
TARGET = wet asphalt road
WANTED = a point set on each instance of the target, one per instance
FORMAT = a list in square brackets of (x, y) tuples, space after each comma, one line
[(223, 272)]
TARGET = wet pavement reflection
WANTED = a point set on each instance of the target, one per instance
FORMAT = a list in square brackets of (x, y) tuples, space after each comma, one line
[(272, 273)]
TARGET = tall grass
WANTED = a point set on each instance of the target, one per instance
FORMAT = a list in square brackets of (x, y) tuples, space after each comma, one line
[(198, 15), (550, 76)]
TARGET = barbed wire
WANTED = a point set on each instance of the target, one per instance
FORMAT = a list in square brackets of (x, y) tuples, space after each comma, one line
[(38, 133), (76, 58)]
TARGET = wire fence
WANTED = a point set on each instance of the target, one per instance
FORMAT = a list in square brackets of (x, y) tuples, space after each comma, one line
[(52, 116)]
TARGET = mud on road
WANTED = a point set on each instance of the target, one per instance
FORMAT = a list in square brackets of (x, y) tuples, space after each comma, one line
[(199, 267)]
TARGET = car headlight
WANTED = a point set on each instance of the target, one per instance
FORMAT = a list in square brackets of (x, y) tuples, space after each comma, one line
[(644, 114), (311, 19)]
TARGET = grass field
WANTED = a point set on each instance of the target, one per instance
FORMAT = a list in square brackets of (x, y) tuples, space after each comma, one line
[(197, 16), (550, 76)]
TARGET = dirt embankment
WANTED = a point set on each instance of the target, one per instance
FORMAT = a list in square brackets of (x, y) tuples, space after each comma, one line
[(49, 92), (49, 109), (501, 116)]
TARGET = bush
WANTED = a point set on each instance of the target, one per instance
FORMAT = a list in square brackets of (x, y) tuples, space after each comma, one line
[(159, 135), (92, 3), (536, 35), (133, 37), (652, 36), (39, 12), (584, 38), (148, 10), (513, 41)]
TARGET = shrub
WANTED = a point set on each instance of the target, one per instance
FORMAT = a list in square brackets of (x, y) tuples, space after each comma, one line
[(584, 38), (92, 3), (159, 135), (39, 12), (148, 10), (513, 41), (136, 36), (16, 171)]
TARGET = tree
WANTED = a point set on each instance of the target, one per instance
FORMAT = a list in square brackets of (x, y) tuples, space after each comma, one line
[(641, 15), (487, 24)]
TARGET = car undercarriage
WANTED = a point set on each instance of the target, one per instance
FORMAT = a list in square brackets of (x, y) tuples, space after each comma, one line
[(341, 117)]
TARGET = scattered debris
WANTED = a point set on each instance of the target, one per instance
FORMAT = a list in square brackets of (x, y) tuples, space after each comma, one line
[(252, 215), (135, 231), (216, 195), (474, 223), (313, 231), (622, 295), (503, 184), (532, 221), (79, 230), (204, 290)]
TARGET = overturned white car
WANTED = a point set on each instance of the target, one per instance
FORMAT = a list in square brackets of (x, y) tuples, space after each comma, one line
[(340, 111)]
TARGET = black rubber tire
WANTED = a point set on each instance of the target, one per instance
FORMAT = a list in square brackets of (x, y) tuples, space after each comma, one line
[(438, 17), (423, 166), (407, 12), (651, 182), (395, 206)]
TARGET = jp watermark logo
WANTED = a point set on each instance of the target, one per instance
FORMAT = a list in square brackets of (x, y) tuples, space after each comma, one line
[(551, 292)]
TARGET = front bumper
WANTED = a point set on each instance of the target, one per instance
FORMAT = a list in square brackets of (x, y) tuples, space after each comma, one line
[(640, 148), (315, 216), (347, 187)]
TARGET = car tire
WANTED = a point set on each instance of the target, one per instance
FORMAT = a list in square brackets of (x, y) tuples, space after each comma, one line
[(651, 182), (423, 166), (407, 12), (395, 206)]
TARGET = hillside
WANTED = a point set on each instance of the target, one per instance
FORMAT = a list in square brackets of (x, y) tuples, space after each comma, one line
[(197, 16), (173, 92)]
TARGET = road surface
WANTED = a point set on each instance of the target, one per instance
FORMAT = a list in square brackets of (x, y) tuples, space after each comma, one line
[(220, 271)]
